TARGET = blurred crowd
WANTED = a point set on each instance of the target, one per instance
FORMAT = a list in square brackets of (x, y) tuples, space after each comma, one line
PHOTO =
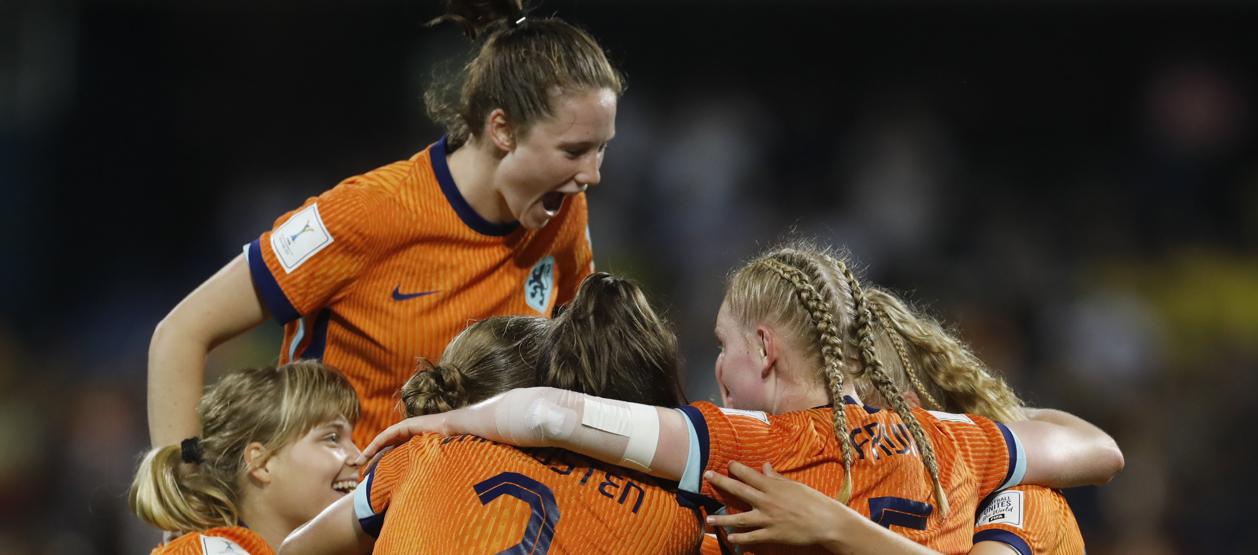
[(1074, 188)]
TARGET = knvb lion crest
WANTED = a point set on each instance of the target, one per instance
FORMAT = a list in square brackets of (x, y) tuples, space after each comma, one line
[(539, 286)]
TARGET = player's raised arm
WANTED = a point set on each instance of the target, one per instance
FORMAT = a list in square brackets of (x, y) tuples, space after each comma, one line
[(1063, 450), (223, 307), (652, 439)]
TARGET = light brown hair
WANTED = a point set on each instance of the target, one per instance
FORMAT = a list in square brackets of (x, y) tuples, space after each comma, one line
[(522, 65), (489, 357), (274, 406)]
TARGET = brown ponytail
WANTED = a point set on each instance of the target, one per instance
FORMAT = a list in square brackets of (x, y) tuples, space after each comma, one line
[(610, 342)]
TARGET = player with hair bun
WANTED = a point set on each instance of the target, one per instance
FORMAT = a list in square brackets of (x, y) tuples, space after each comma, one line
[(491, 219), (276, 450), (435, 494), (487, 358)]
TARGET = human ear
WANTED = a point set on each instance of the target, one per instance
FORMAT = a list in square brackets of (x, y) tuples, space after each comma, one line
[(256, 459), (499, 130), (767, 342)]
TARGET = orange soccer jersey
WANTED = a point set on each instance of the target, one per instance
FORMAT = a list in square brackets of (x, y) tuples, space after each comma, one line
[(228, 540), (389, 266), (976, 456), (464, 494), (1031, 520)]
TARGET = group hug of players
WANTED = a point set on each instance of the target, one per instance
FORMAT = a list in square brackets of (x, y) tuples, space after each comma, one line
[(545, 413)]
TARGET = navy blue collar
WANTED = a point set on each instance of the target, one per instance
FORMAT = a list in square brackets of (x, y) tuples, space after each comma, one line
[(469, 216), (848, 400)]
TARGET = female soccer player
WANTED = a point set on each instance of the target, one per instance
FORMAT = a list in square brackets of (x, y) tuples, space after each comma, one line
[(490, 356), (391, 264), (937, 372), (465, 495), (787, 328), (276, 450)]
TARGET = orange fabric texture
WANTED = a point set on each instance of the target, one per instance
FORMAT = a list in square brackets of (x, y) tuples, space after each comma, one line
[(890, 483), (388, 266), (464, 494), (214, 542), (1039, 520)]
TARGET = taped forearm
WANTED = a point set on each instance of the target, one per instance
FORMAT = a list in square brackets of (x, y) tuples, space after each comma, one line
[(616, 432)]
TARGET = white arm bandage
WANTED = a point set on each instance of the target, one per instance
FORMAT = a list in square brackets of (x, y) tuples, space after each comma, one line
[(639, 423), (617, 432), (535, 416)]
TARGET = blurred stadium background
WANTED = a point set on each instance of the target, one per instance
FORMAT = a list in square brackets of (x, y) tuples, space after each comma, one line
[(1074, 185)]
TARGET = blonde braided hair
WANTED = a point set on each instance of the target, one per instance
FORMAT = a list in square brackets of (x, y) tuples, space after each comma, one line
[(902, 352), (831, 354), (872, 366)]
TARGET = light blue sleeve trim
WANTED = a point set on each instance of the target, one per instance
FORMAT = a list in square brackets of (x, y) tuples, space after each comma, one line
[(246, 249), (362, 502), (1019, 464), (297, 337), (690, 475)]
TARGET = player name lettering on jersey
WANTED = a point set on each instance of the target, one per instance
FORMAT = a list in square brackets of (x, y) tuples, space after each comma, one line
[(616, 487), (875, 441)]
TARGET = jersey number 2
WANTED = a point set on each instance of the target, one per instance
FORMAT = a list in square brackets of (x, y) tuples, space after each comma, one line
[(898, 511), (545, 515)]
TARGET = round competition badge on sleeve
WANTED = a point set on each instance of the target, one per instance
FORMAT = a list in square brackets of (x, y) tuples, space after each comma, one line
[(539, 286)]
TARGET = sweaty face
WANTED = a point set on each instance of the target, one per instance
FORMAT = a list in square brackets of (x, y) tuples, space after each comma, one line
[(738, 364), (311, 473), (558, 156)]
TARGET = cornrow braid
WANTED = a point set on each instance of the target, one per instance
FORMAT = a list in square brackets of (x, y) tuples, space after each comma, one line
[(832, 356), (886, 387), (910, 369)]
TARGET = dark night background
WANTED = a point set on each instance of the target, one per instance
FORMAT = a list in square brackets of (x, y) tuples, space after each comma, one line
[(1072, 185)]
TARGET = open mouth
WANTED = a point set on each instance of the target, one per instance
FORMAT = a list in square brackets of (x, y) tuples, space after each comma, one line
[(344, 486), (552, 201)]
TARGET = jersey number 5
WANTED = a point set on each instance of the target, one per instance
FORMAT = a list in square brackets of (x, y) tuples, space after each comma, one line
[(545, 515), (897, 511)]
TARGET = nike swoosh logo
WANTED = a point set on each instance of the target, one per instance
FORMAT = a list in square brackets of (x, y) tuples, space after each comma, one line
[(398, 295)]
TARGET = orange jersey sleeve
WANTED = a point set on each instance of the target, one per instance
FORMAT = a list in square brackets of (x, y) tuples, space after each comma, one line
[(233, 540), (890, 484), (1031, 520), (986, 447), (464, 494), (388, 266)]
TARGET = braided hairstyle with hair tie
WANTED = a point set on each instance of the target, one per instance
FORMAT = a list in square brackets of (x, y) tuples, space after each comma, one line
[(902, 352), (886, 387), (832, 355)]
